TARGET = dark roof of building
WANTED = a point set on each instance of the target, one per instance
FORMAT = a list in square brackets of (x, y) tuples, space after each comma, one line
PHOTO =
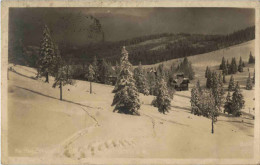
[(181, 81)]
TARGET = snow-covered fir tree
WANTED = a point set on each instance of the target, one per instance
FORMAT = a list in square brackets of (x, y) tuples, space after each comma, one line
[(186, 67), (195, 101), (228, 67), (233, 66), (206, 72), (209, 79), (223, 66), (151, 79), (95, 69), (163, 99), (198, 86), (45, 62), (221, 88), (140, 80), (251, 59), (249, 83), (237, 101), (217, 89), (240, 65), (126, 99), (208, 106), (228, 104), (90, 75), (231, 85), (224, 78), (63, 76), (223, 62)]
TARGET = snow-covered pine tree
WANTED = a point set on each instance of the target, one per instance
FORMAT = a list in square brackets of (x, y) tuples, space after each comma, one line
[(206, 72), (163, 99), (224, 66), (233, 66), (186, 67), (90, 75), (216, 90), (151, 79), (126, 99), (47, 53), (251, 59), (228, 68), (228, 104), (62, 76), (140, 80), (198, 86), (221, 88), (95, 69), (243, 64), (240, 65), (195, 101), (208, 106), (237, 101), (209, 79), (224, 78), (102, 71), (231, 85), (249, 83), (223, 63)]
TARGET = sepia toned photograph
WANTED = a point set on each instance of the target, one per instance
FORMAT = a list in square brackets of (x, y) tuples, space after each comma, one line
[(130, 83)]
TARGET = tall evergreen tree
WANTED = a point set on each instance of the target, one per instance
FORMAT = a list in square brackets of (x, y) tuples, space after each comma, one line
[(233, 66), (240, 66), (90, 75), (209, 80), (95, 69), (102, 71), (195, 101), (198, 86), (151, 79), (45, 62), (63, 76), (206, 72), (140, 80), (221, 87), (217, 89), (224, 78), (251, 59), (163, 99), (228, 68), (223, 63), (231, 85), (237, 101), (243, 64), (208, 106), (225, 68), (186, 67), (249, 83), (228, 104), (126, 97)]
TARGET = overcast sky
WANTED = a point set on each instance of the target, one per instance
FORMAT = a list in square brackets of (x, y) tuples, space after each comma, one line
[(124, 23)]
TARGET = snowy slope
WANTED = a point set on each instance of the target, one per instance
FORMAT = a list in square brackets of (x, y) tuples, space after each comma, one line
[(84, 125)]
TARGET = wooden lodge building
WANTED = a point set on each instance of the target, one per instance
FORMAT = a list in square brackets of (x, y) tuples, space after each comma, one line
[(181, 83)]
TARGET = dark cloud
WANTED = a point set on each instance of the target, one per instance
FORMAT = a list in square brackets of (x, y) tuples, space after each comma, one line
[(124, 23)]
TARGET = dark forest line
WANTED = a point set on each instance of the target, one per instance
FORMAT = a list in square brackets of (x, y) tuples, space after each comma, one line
[(146, 49)]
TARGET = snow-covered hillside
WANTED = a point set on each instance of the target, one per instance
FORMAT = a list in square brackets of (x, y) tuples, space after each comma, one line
[(84, 125)]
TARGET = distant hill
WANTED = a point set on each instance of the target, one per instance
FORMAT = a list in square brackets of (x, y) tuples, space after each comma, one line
[(148, 49)]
